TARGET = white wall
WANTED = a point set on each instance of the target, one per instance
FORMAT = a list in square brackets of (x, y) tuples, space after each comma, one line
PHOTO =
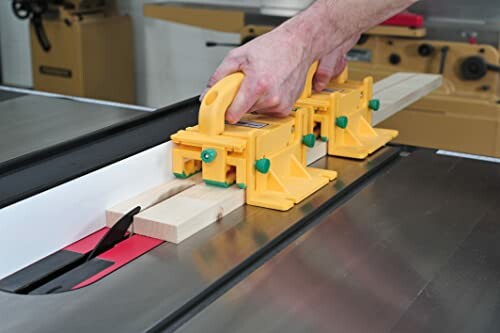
[(172, 61), (14, 48)]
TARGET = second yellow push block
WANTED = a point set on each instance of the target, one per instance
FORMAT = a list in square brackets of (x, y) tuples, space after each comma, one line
[(264, 155), (342, 116)]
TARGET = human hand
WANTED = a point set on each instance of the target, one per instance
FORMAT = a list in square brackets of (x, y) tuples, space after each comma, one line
[(275, 67), (333, 64)]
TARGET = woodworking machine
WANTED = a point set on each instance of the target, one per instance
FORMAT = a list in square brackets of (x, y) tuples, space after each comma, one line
[(391, 242), (80, 48)]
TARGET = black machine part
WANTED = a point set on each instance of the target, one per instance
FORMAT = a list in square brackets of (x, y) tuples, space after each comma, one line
[(444, 54), (425, 50), (116, 234), (33, 10), (62, 270), (475, 68)]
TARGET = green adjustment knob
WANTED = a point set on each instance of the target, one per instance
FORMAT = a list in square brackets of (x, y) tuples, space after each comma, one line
[(374, 104), (208, 155), (309, 140), (263, 165), (341, 121)]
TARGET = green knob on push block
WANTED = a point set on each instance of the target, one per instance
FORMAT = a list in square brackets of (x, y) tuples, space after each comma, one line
[(309, 140), (374, 104), (263, 165), (341, 121), (208, 155)]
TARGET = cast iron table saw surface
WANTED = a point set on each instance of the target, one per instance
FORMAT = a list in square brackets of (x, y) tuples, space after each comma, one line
[(151, 291), (417, 250), (31, 123)]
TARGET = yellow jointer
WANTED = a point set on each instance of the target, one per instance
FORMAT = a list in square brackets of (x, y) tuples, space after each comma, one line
[(267, 156)]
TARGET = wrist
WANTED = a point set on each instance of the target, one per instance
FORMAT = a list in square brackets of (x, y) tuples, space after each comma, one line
[(314, 30)]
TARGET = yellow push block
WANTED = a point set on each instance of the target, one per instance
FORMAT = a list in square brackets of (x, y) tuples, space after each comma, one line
[(264, 155), (342, 116)]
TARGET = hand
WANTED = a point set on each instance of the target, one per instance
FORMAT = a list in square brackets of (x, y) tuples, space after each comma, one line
[(333, 64), (275, 67)]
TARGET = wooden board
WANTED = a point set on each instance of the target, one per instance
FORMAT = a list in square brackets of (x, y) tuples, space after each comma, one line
[(188, 212), (400, 90), (318, 151), (150, 197)]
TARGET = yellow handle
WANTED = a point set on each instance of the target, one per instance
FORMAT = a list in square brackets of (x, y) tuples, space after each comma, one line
[(308, 87), (212, 115)]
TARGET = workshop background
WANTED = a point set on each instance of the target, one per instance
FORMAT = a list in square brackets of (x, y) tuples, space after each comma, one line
[(171, 60), (156, 55)]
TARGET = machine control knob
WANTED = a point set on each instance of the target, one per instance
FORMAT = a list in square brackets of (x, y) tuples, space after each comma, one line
[(473, 68), (394, 59), (425, 50)]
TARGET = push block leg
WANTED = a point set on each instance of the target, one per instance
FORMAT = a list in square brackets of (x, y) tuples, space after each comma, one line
[(286, 182), (359, 139)]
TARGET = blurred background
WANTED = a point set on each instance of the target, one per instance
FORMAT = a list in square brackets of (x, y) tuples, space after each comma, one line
[(155, 53)]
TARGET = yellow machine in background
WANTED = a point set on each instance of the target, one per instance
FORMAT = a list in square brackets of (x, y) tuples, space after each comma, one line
[(80, 48), (464, 114)]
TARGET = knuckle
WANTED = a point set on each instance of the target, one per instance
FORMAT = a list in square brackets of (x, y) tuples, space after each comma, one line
[(275, 100), (283, 112), (212, 81), (232, 54), (324, 74), (263, 84)]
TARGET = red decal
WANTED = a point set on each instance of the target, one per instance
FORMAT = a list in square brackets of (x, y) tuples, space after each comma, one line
[(123, 253)]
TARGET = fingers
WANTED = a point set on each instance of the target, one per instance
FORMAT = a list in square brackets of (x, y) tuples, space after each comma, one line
[(333, 64), (325, 70), (228, 66), (278, 112), (251, 90), (339, 66)]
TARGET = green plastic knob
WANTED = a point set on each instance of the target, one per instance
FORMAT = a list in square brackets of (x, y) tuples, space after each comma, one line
[(208, 155), (263, 165), (309, 140), (341, 121), (374, 104)]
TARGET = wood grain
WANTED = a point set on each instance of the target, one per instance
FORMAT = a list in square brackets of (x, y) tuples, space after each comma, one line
[(150, 197), (188, 212)]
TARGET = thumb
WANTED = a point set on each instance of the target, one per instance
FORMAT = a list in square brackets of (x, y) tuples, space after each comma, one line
[(228, 66)]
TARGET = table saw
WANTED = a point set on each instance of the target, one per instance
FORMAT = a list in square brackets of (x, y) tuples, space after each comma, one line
[(403, 241)]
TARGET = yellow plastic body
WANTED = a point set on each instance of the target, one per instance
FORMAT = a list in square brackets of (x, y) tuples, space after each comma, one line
[(238, 150), (267, 156), (346, 100)]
